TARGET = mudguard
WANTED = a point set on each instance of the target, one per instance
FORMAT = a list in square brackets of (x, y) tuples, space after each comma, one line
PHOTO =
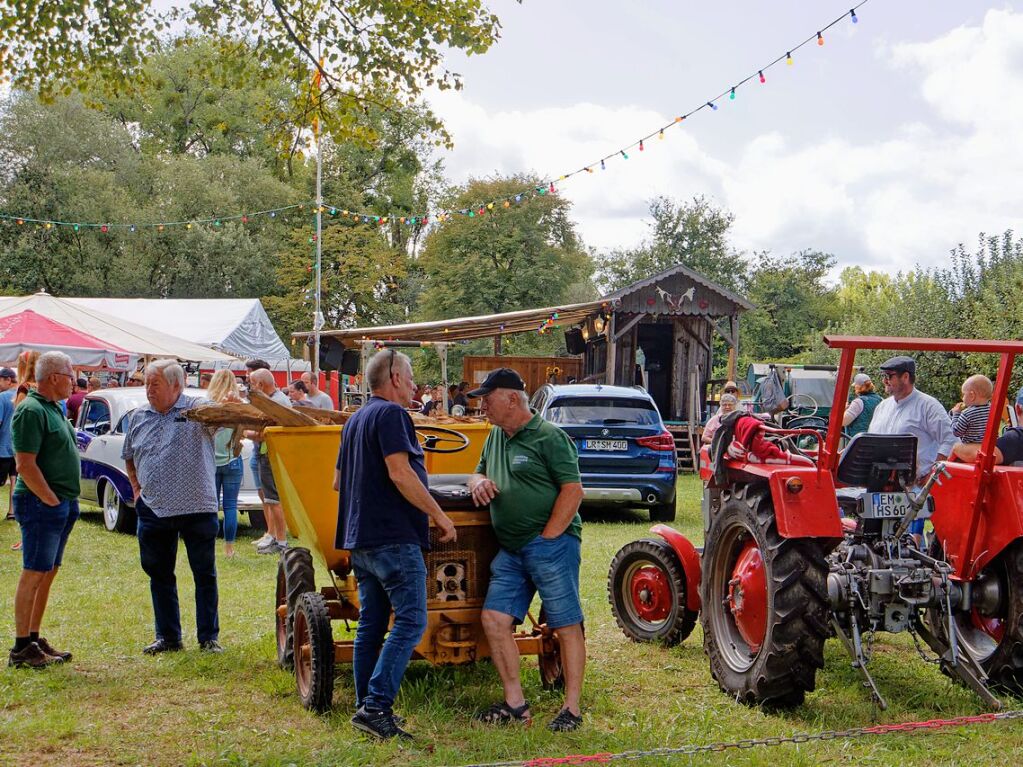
[(690, 559)]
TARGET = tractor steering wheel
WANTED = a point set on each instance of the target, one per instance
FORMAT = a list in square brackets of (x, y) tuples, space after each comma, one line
[(813, 406), (429, 436)]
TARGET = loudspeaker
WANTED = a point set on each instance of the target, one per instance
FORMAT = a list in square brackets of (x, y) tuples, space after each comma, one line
[(331, 355), (350, 361), (574, 341)]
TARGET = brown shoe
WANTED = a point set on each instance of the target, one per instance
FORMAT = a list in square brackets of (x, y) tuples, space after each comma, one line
[(32, 656), (47, 648)]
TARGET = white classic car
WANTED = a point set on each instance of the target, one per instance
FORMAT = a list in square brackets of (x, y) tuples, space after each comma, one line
[(100, 433)]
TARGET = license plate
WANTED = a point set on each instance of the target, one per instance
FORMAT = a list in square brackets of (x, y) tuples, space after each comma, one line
[(606, 444), (888, 505)]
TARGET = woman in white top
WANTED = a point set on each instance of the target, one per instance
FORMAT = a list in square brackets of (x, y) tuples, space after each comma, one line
[(227, 446)]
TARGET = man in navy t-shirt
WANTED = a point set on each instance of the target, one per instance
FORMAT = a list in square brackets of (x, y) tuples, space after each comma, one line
[(383, 519)]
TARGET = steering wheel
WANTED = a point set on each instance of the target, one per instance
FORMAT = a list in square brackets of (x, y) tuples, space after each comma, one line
[(429, 436), (815, 422), (813, 406)]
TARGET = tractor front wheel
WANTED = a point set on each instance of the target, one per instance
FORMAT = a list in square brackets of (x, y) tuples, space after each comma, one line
[(647, 588), (294, 578), (765, 609), (992, 630), (314, 653)]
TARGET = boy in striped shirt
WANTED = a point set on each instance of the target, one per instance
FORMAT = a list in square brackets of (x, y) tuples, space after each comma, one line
[(969, 417)]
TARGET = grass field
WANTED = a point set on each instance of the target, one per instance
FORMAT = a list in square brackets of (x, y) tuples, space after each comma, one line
[(113, 706)]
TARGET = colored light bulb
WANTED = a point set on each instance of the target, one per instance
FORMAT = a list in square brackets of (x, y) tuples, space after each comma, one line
[(518, 198), (131, 228), (732, 95), (273, 214), (472, 214), (333, 211), (641, 145), (50, 225), (820, 39), (217, 222), (21, 221), (624, 155), (245, 219), (854, 17), (76, 227), (762, 78), (159, 228), (712, 105), (788, 58), (602, 167), (490, 205), (660, 135), (104, 228), (507, 204)]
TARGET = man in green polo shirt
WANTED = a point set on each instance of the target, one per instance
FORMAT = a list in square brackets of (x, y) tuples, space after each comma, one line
[(529, 474), (45, 502)]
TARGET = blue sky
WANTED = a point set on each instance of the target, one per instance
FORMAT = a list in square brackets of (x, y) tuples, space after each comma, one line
[(887, 146)]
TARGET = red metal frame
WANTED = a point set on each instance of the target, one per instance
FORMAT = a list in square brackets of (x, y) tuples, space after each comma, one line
[(958, 507)]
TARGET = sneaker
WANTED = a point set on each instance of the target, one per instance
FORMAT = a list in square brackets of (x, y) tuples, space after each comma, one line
[(264, 540), (272, 547), (31, 656), (565, 721), (47, 648), (211, 645), (162, 645), (379, 724)]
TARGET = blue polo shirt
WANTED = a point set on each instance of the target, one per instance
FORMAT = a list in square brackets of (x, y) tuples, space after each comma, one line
[(372, 511)]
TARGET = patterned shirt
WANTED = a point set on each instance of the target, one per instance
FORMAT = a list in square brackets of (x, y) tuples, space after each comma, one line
[(970, 423), (173, 459)]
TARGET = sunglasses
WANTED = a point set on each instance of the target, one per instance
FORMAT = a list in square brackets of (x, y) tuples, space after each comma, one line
[(888, 375)]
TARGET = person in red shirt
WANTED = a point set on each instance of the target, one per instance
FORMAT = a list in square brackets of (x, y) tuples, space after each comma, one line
[(74, 402)]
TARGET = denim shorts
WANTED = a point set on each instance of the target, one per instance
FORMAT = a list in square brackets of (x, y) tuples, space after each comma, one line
[(550, 567), (254, 463), (266, 480), (44, 530)]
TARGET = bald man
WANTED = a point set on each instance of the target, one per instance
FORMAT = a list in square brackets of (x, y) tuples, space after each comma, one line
[(262, 380), (969, 417)]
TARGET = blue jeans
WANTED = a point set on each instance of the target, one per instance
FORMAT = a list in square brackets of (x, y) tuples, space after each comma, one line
[(158, 547), (389, 577), (229, 482), (44, 530)]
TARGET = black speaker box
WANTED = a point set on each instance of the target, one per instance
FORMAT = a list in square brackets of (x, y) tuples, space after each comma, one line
[(574, 341), (350, 361), (331, 354)]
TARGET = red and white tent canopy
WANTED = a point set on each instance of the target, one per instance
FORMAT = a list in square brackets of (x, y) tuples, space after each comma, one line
[(28, 330)]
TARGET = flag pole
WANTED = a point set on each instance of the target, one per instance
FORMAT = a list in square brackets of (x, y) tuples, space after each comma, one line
[(317, 314)]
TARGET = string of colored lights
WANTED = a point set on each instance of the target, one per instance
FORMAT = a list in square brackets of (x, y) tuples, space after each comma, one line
[(547, 187)]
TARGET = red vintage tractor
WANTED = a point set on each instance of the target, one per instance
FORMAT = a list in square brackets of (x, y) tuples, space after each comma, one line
[(795, 554)]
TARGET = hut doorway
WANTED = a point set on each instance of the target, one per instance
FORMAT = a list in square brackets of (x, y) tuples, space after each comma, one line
[(656, 340)]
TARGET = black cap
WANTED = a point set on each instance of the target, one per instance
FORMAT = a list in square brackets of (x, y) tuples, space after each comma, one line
[(502, 378), (8, 373), (82, 382), (900, 364), (256, 364)]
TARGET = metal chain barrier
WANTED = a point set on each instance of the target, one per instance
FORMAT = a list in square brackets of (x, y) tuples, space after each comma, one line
[(746, 743)]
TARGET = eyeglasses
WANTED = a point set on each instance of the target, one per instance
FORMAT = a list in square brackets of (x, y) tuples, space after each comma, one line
[(889, 374), (65, 374)]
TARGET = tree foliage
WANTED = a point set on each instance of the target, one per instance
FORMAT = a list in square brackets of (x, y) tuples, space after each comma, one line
[(375, 52), (693, 233)]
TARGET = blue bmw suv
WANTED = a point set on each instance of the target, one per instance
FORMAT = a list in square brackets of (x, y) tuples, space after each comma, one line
[(626, 456)]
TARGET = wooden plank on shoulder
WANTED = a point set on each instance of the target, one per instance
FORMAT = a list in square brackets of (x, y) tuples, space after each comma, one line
[(281, 414)]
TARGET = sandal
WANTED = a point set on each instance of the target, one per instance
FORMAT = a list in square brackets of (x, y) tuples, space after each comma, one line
[(502, 713), (565, 721)]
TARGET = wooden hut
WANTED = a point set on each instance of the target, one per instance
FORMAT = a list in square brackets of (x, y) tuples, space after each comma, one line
[(659, 333)]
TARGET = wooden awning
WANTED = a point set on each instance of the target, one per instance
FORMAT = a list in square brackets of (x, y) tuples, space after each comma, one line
[(468, 328)]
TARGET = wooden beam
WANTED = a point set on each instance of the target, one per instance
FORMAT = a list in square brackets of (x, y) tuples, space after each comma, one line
[(628, 326), (611, 367), (725, 334), (695, 337)]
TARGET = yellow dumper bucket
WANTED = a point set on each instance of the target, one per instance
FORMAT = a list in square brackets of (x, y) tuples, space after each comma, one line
[(303, 460)]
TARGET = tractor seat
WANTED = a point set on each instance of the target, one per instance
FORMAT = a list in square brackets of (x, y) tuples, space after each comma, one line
[(451, 491), (869, 460)]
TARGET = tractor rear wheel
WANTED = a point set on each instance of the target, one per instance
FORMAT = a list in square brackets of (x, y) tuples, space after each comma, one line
[(765, 608), (647, 588), (992, 631), (314, 653), (294, 578)]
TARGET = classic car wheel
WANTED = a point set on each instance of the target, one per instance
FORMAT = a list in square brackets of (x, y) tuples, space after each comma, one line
[(118, 517)]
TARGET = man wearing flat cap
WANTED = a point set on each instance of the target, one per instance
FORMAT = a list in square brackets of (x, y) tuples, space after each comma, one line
[(529, 474), (909, 411)]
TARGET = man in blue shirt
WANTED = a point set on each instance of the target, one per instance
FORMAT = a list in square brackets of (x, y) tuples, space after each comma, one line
[(8, 388), (383, 519)]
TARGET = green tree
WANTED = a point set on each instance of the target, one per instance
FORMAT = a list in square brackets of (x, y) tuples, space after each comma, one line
[(375, 52), (693, 233), (522, 256)]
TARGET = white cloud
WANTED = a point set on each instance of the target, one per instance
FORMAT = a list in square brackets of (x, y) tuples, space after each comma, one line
[(888, 203)]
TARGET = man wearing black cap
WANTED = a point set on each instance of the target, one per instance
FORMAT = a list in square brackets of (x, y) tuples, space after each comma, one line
[(909, 411), (529, 474)]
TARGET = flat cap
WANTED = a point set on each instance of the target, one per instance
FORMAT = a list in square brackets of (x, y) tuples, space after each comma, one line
[(900, 364)]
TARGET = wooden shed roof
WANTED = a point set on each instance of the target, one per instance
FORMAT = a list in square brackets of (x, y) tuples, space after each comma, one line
[(680, 270)]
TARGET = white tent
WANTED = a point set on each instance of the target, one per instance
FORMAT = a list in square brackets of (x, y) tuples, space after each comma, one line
[(126, 334), (238, 326)]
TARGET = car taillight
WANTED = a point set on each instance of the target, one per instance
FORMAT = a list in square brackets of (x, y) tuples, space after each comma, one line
[(662, 441)]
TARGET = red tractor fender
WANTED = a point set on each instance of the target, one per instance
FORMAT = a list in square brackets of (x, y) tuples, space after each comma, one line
[(690, 559)]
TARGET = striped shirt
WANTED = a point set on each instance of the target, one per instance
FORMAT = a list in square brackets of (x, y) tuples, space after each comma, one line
[(970, 423)]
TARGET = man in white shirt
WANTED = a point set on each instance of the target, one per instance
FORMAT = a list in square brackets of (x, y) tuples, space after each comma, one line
[(909, 411), (315, 397)]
